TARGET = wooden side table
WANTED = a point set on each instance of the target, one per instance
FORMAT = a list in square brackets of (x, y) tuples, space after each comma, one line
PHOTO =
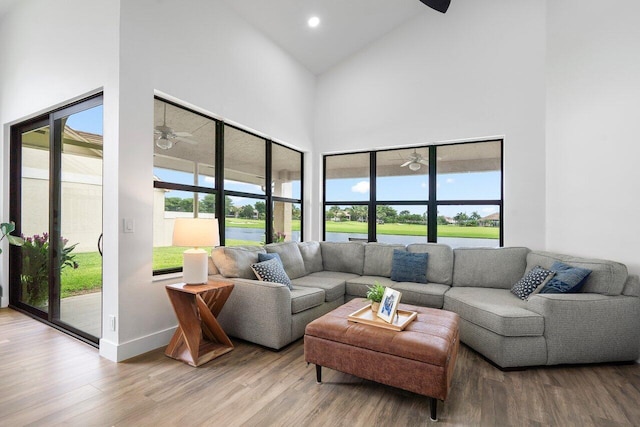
[(199, 337)]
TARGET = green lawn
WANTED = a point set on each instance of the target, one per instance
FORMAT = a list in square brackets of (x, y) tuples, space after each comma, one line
[(414, 230)]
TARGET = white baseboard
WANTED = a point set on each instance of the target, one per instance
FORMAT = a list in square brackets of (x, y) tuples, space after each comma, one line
[(127, 350)]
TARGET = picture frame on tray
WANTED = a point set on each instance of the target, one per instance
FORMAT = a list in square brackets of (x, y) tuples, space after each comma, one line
[(389, 305)]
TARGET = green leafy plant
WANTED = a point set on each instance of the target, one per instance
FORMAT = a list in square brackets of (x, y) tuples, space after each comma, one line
[(375, 292), (35, 267), (6, 228), (278, 237)]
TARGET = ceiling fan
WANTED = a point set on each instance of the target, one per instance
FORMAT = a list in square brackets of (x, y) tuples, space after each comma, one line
[(415, 161), (166, 137), (439, 5)]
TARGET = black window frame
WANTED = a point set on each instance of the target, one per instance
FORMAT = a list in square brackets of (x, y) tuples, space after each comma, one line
[(431, 202), (218, 190)]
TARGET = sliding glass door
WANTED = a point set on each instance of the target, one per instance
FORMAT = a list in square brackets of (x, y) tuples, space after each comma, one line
[(57, 206)]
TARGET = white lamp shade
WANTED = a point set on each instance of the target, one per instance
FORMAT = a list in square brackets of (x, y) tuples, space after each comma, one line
[(196, 232)]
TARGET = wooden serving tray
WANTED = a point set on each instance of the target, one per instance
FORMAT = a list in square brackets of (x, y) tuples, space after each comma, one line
[(368, 317)]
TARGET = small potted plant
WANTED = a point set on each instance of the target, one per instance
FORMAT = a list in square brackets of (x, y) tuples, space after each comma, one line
[(374, 294)]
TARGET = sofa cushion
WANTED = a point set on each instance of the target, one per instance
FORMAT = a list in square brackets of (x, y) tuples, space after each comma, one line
[(426, 295), (440, 261), (346, 257), (378, 258), (271, 270), (566, 279), (489, 267), (533, 281), (290, 256), (409, 267), (332, 282), (305, 298), (607, 277), (235, 261), (497, 310), (311, 255)]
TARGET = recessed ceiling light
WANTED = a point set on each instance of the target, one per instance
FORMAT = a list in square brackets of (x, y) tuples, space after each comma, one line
[(313, 22)]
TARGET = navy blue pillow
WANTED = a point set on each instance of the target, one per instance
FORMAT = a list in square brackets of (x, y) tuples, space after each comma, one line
[(567, 279), (268, 256), (409, 266)]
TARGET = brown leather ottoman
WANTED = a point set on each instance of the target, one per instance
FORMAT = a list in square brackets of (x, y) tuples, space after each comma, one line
[(420, 359)]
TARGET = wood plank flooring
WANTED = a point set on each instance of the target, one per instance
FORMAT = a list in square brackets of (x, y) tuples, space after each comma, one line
[(48, 378)]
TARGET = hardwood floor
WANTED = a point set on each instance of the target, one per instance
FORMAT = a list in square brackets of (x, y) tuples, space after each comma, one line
[(48, 378)]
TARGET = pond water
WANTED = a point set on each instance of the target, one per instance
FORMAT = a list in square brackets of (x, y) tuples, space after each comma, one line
[(257, 235)]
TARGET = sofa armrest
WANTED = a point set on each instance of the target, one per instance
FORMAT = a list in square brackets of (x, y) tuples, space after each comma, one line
[(257, 311), (589, 328)]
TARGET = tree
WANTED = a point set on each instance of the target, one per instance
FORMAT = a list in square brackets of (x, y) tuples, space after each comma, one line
[(296, 212), (359, 213), (442, 220), (461, 218), (246, 211), (261, 207), (207, 204), (473, 219), (229, 208), (386, 213)]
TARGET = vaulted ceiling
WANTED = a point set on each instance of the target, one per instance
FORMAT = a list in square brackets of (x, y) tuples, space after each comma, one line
[(346, 26)]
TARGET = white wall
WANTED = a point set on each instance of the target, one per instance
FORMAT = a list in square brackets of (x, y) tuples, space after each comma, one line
[(477, 71), (593, 106), (70, 52), (199, 52)]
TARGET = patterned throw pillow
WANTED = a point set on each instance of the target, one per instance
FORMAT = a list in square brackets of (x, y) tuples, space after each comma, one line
[(567, 279), (409, 266), (534, 279), (271, 271)]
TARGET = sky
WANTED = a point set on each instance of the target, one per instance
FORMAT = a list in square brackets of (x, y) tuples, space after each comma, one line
[(87, 121)]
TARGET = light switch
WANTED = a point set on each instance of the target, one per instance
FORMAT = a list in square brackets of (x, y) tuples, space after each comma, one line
[(129, 225)]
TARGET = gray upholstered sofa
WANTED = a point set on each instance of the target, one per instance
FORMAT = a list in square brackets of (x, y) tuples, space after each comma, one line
[(599, 324)]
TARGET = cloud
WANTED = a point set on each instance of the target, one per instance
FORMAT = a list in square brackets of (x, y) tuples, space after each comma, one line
[(450, 181), (361, 187)]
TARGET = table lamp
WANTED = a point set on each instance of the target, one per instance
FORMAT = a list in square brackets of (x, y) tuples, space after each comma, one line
[(195, 233)]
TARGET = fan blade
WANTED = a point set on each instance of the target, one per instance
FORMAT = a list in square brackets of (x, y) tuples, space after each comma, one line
[(407, 163), (181, 139), (424, 162), (439, 5)]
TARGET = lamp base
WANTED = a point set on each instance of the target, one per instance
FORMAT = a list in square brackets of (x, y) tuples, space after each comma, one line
[(195, 267)]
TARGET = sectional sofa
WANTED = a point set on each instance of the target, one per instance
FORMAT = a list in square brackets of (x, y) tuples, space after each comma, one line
[(599, 324)]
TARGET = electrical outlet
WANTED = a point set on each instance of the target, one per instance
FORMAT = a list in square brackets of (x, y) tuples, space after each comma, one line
[(112, 322)]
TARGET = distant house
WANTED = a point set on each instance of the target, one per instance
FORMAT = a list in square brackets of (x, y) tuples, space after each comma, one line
[(492, 220)]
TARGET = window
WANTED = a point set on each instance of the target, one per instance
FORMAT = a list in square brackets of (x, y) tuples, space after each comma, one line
[(450, 194), (184, 157), (199, 160)]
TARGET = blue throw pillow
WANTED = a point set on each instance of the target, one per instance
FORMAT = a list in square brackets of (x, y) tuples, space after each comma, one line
[(567, 279), (271, 271), (409, 266), (268, 256)]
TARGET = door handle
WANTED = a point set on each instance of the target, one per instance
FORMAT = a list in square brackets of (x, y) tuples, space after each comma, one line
[(100, 244)]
